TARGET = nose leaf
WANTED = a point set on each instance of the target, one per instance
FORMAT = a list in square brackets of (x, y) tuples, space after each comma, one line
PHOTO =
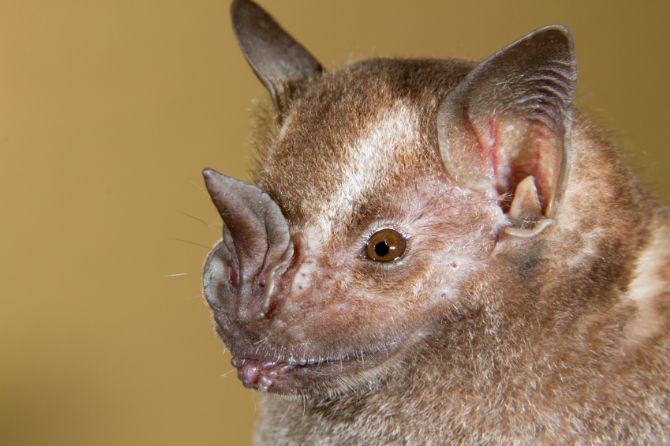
[(253, 223)]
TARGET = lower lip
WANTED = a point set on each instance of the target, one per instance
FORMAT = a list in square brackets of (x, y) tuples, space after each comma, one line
[(260, 375), (290, 376), (280, 377)]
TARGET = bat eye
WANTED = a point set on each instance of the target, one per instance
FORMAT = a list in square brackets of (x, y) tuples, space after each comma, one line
[(385, 245)]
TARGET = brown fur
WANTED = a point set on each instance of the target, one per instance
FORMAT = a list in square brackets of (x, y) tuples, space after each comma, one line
[(536, 353), (475, 336)]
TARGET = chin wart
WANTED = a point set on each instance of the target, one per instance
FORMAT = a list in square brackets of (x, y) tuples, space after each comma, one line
[(438, 251)]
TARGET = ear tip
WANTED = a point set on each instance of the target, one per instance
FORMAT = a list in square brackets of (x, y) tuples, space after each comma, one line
[(244, 15), (557, 27), (556, 32)]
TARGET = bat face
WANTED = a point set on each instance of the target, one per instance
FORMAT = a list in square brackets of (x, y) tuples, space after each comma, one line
[(379, 205), (380, 243)]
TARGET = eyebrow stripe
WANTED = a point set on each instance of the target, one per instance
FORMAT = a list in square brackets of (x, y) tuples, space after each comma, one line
[(368, 158)]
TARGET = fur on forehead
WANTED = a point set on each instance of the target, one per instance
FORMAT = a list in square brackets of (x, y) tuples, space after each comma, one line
[(376, 115)]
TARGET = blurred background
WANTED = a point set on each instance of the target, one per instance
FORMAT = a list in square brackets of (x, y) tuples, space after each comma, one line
[(109, 109)]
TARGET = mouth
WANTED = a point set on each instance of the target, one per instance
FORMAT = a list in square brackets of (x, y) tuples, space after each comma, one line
[(296, 375)]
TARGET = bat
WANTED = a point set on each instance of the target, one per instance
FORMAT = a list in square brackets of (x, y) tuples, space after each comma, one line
[(439, 251)]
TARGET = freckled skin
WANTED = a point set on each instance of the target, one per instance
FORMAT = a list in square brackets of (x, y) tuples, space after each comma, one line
[(531, 303)]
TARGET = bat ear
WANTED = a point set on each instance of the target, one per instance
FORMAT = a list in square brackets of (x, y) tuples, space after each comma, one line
[(506, 127), (256, 231), (278, 60)]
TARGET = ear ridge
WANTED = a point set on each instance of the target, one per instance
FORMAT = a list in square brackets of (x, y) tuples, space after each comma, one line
[(276, 58), (510, 118), (534, 76)]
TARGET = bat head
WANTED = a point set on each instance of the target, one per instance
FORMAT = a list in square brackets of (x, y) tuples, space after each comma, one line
[(388, 194)]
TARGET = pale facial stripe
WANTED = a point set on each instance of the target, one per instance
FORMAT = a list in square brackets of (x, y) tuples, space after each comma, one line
[(646, 287), (368, 158)]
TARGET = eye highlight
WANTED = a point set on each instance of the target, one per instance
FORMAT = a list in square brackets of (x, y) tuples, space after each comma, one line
[(385, 245)]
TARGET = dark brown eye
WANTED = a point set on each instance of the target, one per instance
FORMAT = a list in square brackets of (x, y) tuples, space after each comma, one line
[(385, 246)]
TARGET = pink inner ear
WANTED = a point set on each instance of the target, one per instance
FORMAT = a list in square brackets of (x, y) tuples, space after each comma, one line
[(515, 149), (492, 144)]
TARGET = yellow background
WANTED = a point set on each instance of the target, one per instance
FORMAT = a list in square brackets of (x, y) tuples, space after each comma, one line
[(109, 109)]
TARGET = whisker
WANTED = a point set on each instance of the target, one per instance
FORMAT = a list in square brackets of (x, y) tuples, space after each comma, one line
[(288, 407), (200, 188), (198, 219), (176, 275), (227, 374), (190, 243), (261, 341)]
